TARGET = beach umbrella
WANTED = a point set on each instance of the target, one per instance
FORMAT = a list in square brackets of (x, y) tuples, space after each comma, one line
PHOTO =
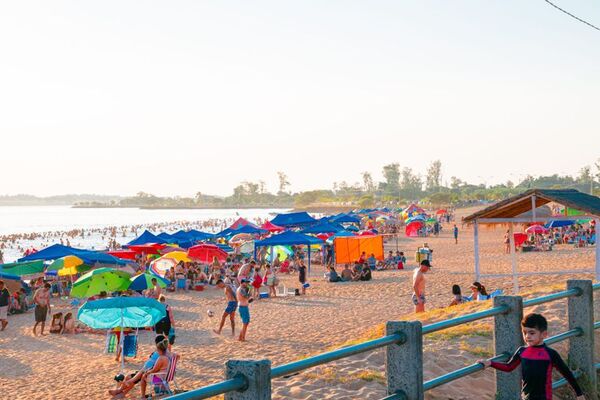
[(26, 268), (123, 254), (65, 262), (144, 281), (130, 312), (170, 249), (240, 239), (100, 280), (205, 253), (442, 211), (247, 247), (412, 228), (146, 248), (162, 265), (537, 229), (177, 256)]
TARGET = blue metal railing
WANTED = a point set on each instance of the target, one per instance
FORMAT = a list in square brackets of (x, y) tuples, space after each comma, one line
[(239, 383)]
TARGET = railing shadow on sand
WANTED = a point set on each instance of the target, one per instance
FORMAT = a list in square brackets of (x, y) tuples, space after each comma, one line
[(403, 341)]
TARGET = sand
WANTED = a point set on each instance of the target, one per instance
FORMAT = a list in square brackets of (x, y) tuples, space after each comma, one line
[(286, 329)]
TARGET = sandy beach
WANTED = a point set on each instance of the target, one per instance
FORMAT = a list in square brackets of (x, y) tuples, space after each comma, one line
[(288, 328)]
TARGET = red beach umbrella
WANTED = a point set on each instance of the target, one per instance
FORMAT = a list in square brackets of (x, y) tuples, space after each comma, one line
[(205, 253), (537, 229)]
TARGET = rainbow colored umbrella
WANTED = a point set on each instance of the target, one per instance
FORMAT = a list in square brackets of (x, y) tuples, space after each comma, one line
[(100, 280)]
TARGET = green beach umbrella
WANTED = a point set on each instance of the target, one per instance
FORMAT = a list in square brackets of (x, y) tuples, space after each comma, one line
[(144, 281), (24, 268), (99, 280)]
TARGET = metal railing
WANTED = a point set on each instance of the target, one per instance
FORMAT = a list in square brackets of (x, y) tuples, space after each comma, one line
[(404, 385)]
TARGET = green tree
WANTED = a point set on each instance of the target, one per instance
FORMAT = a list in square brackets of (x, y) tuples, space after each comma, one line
[(283, 183), (434, 175), (391, 174), (368, 184)]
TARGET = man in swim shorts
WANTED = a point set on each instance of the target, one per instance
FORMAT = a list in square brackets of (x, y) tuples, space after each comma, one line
[(41, 298), (230, 309), (418, 296), (243, 296)]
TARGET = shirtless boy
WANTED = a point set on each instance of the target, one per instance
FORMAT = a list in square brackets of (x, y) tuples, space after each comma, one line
[(230, 309), (418, 296), (41, 298), (243, 296)]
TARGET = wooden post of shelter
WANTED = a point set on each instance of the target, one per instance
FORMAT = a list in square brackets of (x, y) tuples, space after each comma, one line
[(597, 226), (476, 248), (513, 258)]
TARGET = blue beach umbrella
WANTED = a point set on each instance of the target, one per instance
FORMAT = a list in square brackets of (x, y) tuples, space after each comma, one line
[(144, 281), (557, 223), (131, 312)]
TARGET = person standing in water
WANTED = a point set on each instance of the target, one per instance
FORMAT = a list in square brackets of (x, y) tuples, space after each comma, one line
[(418, 296)]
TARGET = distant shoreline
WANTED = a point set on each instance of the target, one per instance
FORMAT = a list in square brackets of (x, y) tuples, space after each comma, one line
[(314, 209)]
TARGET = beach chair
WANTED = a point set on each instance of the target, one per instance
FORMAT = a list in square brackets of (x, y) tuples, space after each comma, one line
[(130, 344), (166, 385), (111, 343)]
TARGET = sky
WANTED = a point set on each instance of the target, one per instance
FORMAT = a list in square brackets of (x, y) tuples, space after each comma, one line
[(172, 98)]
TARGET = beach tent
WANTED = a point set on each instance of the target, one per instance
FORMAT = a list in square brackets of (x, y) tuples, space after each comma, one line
[(123, 254), (199, 235), (23, 268), (559, 223), (253, 230), (226, 232), (345, 218), (288, 238), (12, 282), (349, 249), (147, 237), (520, 238), (293, 219), (242, 222), (272, 227), (165, 236), (88, 256), (323, 227)]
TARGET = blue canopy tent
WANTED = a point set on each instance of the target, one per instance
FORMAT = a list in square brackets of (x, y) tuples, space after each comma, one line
[(293, 219), (145, 238), (345, 218), (89, 257), (165, 236), (249, 229), (288, 238), (225, 247), (323, 227), (225, 232), (559, 223), (198, 235)]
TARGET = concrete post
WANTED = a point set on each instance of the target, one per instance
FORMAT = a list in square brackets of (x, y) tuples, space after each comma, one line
[(404, 362), (258, 374), (581, 315), (507, 339)]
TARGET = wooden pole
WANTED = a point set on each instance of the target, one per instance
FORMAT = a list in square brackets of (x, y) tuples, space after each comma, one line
[(476, 248), (513, 259), (597, 226), (533, 207)]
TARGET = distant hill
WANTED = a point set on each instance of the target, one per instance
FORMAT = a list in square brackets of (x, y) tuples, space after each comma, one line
[(61, 200)]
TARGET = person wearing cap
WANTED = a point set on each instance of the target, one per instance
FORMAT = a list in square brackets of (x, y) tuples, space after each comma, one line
[(418, 296), (245, 270)]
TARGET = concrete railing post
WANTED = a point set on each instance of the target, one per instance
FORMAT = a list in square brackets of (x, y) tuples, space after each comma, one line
[(507, 339), (581, 348), (258, 375), (404, 362)]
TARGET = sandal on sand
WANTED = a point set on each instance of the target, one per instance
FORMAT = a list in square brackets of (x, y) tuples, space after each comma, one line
[(118, 396)]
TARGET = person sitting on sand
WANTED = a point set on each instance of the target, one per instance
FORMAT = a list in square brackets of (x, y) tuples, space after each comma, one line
[(333, 275), (458, 297), (365, 274), (478, 292), (347, 273), (56, 325), (372, 261), (158, 364)]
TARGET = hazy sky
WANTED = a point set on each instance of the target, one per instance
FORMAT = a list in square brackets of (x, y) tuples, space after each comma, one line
[(176, 97)]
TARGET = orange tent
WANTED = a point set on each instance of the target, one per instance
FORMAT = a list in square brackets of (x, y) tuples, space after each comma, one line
[(348, 249)]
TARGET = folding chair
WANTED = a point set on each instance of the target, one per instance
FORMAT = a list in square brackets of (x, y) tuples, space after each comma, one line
[(163, 387)]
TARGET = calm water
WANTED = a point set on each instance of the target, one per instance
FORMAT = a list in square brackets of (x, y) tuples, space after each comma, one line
[(21, 219)]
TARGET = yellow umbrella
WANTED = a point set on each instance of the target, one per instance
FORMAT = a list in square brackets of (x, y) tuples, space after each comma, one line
[(65, 262), (177, 256), (73, 270)]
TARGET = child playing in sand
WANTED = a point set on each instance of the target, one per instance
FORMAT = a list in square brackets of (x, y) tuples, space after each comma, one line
[(537, 361), (230, 309)]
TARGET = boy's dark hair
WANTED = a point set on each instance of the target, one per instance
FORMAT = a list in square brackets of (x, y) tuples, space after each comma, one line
[(47, 285), (218, 281), (456, 289), (535, 321)]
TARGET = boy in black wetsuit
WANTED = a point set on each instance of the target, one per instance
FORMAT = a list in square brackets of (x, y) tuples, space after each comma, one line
[(537, 361)]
